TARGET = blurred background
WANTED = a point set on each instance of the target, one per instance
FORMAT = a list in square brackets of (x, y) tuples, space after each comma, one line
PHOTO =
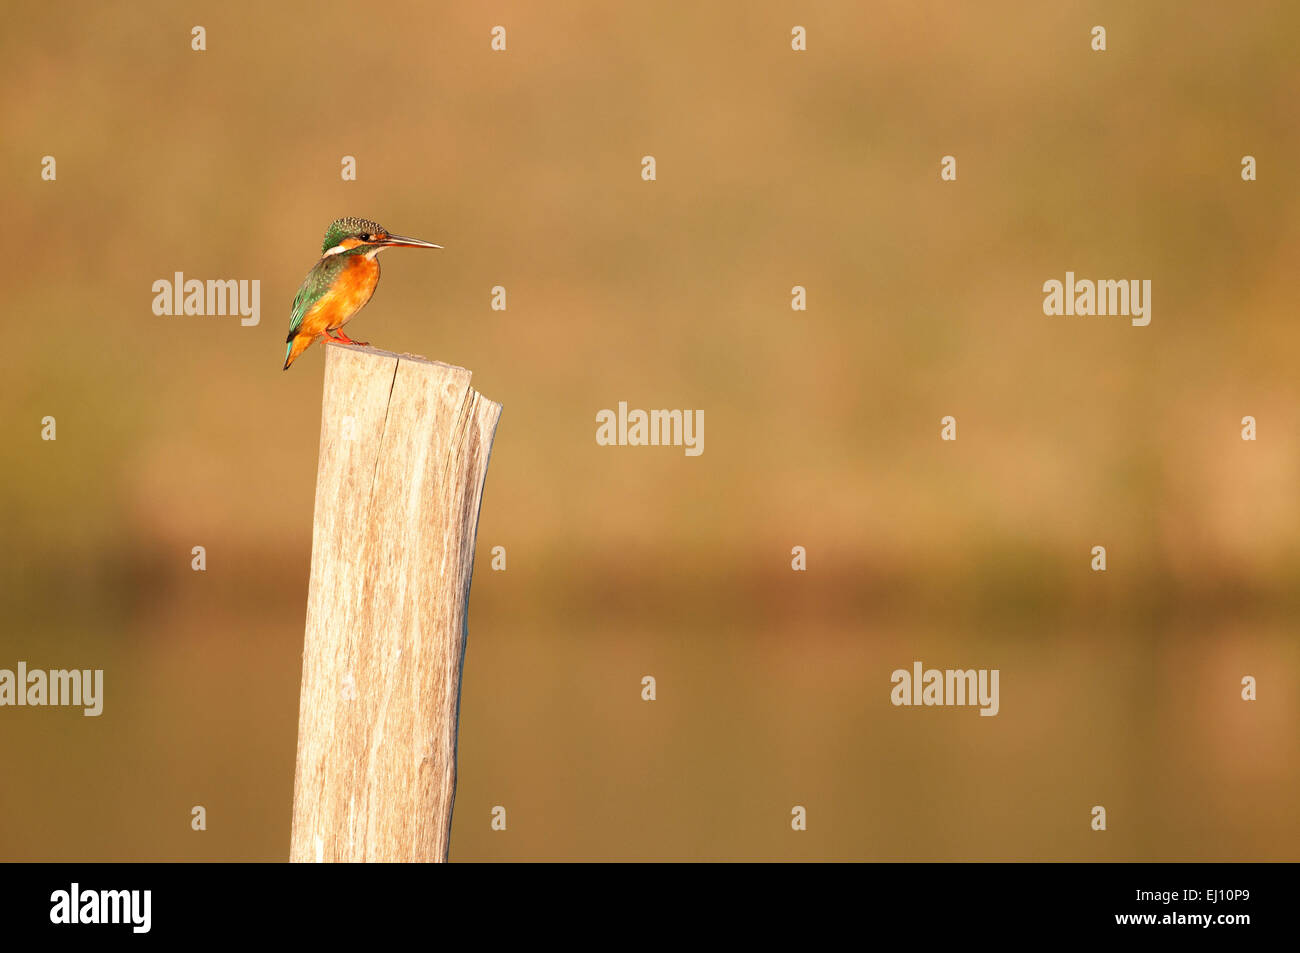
[(775, 168)]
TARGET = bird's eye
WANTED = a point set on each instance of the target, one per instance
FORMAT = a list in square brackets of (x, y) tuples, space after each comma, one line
[(365, 238)]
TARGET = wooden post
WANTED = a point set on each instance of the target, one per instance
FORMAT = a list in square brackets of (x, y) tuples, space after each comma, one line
[(404, 446)]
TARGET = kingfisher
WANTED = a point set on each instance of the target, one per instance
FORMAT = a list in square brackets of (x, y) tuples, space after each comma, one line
[(340, 284)]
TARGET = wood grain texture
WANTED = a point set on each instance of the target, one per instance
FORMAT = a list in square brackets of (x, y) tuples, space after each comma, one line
[(404, 451)]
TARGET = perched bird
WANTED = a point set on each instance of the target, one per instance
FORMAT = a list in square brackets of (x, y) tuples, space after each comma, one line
[(341, 283)]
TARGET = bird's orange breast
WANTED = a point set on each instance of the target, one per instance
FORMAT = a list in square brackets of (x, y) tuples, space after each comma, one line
[(348, 295)]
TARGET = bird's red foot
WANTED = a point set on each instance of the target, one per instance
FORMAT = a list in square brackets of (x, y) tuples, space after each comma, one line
[(338, 335)]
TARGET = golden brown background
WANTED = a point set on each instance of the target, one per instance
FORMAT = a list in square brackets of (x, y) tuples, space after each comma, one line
[(822, 428)]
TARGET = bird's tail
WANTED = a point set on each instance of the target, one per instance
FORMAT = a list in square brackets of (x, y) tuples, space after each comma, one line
[(294, 346)]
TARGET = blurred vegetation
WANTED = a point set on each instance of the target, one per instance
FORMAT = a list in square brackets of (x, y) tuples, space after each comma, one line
[(775, 169)]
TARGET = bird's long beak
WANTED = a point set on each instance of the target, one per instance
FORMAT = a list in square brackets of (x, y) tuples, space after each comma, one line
[(397, 241)]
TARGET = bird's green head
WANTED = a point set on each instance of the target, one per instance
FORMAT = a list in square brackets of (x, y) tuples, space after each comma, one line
[(347, 235)]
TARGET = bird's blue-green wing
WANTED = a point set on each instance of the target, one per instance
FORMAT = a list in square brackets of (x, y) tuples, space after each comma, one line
[(313, 287), (302, 303)]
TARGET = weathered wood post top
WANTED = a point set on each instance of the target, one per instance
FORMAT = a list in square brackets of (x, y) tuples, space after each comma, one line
[(404, 449)]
